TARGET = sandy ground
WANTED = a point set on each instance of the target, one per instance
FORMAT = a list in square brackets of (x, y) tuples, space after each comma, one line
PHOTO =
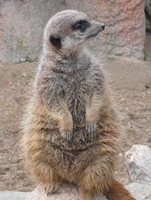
[(131, 81)]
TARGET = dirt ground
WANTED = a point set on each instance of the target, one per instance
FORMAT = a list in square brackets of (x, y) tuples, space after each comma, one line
[(131, 81)]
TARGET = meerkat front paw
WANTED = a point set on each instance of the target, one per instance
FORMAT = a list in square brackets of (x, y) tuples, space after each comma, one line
[(67, 129), (90, 130), (50, 188), (68, 136)]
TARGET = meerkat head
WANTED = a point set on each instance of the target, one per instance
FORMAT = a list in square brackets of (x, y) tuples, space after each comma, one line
[(67, 31)]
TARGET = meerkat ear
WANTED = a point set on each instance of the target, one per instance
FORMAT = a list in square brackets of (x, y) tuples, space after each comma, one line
[(56, 42)]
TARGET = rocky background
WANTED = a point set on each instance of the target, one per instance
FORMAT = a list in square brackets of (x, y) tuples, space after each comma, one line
[(22, 23)]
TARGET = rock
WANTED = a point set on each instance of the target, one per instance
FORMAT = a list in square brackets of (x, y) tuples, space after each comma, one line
[(140, 170), (140, 191), (138, 160), (66, 192), (137, 151), (22, 24), (24, 74), (11, 195)]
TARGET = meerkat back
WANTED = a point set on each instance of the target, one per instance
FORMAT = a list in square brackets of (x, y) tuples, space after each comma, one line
[(71, 127)]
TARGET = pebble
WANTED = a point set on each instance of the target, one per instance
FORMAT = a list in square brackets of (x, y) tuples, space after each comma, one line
[(24, 74)]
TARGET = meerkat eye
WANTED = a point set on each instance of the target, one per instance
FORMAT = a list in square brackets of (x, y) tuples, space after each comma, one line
[(81, 25)]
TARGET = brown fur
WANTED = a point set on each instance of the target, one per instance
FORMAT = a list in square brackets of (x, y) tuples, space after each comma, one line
[(71, 125)]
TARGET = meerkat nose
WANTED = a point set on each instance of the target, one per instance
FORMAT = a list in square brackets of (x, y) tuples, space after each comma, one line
[(103, 26)]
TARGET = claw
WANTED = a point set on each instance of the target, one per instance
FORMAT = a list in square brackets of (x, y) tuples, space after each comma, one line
[(90, 131), (50, 188), (87, 132), (68, 137)]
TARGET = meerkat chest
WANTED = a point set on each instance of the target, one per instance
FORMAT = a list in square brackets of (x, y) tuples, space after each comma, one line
[(76, 91)]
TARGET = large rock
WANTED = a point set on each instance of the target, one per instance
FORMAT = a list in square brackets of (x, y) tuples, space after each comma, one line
[(22, 23), (138, 160), (140, 191), (137, 151), (11, 195)]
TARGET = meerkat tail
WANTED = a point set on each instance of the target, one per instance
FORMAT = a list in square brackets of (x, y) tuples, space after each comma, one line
[(117, 191)]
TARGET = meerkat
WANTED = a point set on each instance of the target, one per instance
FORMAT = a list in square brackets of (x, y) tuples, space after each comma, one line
[(71, 127)]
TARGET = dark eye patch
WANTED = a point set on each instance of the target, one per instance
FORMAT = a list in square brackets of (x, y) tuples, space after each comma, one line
[(56, 42), (80, 25)]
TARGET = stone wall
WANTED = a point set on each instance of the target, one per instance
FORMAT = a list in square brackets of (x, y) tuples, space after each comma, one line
[(22, 23)]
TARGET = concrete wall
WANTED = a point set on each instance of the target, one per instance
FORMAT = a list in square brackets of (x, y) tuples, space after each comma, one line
[(22, 23)]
